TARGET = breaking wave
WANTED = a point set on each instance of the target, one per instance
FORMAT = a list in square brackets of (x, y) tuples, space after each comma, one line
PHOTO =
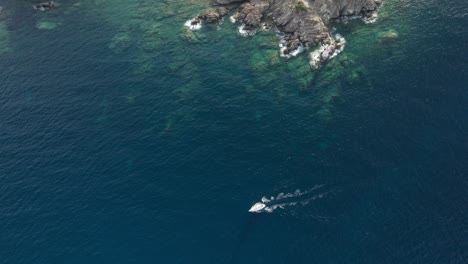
[(194, 24)]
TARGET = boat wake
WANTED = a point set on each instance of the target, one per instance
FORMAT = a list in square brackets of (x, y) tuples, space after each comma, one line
[(283, 200)]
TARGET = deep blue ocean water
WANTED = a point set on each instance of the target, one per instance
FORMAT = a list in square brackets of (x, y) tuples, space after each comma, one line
[(153, 151)]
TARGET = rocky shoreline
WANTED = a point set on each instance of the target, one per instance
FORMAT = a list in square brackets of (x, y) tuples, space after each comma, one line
[(211, 15), (301, 24)]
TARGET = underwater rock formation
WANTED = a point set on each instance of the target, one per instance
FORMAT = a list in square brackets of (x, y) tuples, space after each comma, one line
[(44, 6)]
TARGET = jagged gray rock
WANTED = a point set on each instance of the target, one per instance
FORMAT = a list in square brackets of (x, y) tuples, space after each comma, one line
[(226, 2), (304, 22), (213, 15), (330, 9)]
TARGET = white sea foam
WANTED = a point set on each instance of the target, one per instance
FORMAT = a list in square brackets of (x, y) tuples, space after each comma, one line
[(193, 24), (368, 19), (327, 51), (283, 47), (346, 19), (372, 18), (246, 32), (233, 18), (293, 53)]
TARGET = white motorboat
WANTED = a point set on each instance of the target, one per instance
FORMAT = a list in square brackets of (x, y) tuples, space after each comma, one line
[(257, 208)]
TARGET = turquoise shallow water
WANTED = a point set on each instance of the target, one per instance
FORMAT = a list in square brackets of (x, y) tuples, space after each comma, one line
[(126, 140)]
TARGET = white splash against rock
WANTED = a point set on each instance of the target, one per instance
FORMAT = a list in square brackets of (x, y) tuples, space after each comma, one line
[(372, 18), (367, 19), (293, 53), (233, 18), (283, 47), (327, 51), (245, 31), (194, 24)]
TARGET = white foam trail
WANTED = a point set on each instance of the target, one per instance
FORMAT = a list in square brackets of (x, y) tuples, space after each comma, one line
[(297, 193), (283, 200), (273, 207)]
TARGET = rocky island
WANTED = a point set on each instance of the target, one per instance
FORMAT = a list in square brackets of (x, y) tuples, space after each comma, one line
[(301, 24)]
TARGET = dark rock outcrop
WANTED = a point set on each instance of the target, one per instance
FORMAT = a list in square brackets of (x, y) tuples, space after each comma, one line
[(44, 6), (226, 2), (213, 15), (304, 22), (210, 15)]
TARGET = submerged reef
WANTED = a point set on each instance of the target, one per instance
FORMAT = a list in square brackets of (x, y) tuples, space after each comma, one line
[(44, 6), (300, 23)]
